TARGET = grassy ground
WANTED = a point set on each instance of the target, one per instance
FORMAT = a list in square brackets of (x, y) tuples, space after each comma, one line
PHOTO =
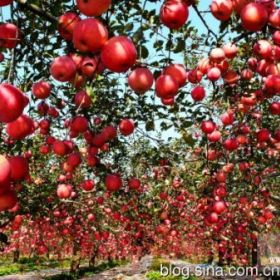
[(25, 265), (154, 273)]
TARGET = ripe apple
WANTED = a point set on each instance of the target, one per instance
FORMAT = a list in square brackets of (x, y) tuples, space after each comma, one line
[(87, 185), (274, 18), (230, 144), (198, 93), (238, 5), (64, 191), (79, 124), (19, 168), (59, 148), (227, 118), (208, 127), (89, 66), (230, 50), (11, 103), (134, 183), (82, 100), (263, 48), (174, 13), (254, 17), (66, 25), (93, 8), (126, 127), (221, 9), (5, 173), (219, 207), (263, 135), (8, 200), (63, 69), (166, 86), (113, 182), (9, 35), (275, 108), (74, 159), (89, 35), (213, 218), (5, 2), (215, 136), (41, 89), (122, 50), (141, 80), (214, 74), (109, 132), (178, 72), (217, 55), (231, 77), (168, 101), (20, 128)]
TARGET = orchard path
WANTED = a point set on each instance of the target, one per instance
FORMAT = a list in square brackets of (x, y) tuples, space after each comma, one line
[(132, 271)]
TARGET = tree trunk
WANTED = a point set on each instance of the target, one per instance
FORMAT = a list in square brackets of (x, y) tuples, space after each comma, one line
[(92, 261), (16, 256), (76, 259), (255, 253)]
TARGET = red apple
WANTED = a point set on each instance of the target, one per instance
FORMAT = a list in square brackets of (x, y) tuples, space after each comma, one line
[(219, 207), (168, 101), (9, 35), (134, 183), (11, 103), (275, 108), (63, 69), (5, 173), (89, 66), (66, 25), (230, 144), (82, 100), (198, 93), (19, 168), (274, 18), (79, 124), (7, 200), (87, 185), (217, 55), (122, 50), (174, 13), (74, 159), (178, 72), (5, 2), (89, 35), (141, 80), (230, 50), (20, 128), (222, 9), (254, 17), (59, 148), (263, 135), (93, 8), (214, 74), (126, 127), (113, 182), (263, 48), (215, 136), (166, 86), (213, 218), (208, 127), (227, 118), (41, 90), (64, 191)]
